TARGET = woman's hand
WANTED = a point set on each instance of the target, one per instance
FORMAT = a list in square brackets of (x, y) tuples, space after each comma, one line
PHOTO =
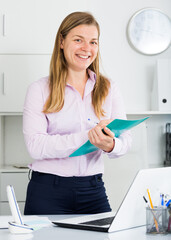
[(106, 142)]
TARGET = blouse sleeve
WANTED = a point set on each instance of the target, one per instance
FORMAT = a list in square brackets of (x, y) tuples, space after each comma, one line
[(39, 143), (123, 142)]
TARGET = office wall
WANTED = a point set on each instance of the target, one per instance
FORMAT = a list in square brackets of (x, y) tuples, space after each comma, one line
[(133, 71)]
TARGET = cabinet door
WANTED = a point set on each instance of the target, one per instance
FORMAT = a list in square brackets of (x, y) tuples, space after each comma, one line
[(5, 208), (30, 26), (18, 180), (16, 73)]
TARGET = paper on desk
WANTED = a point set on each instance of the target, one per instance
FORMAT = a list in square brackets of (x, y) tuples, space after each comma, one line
[(35, 222), (117, 126)]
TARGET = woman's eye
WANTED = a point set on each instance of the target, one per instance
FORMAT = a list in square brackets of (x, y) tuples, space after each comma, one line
[(94, 43), (78, 40)]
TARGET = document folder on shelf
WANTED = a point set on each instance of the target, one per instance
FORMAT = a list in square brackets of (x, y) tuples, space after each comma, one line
[(117, 126)]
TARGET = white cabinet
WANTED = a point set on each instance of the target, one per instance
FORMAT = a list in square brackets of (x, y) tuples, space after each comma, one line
[(30, 26), (156, 135), (21, 31), (18, 178), (5, 208), (16, 73)]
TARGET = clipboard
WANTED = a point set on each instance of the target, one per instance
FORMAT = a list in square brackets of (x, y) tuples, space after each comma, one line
[(117, 126)]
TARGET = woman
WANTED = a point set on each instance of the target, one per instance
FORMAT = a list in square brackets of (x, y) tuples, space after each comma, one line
[(59, 116)]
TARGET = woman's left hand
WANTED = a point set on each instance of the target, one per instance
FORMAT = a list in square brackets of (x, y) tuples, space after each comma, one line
[(106, 142)]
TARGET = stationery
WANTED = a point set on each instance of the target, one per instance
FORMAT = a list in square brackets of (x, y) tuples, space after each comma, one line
[(151, 204)]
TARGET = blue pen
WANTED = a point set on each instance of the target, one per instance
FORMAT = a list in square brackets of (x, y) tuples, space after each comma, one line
[(162, 199), (94, 124), (168, 203)]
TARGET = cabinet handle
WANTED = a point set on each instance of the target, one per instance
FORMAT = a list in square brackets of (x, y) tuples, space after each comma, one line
[(3, 84), (4, 24)]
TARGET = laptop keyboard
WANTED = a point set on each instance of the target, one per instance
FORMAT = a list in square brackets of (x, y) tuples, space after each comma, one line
[(100, 222)]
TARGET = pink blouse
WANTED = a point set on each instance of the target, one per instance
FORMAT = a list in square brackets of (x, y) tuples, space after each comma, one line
[(51, 138)]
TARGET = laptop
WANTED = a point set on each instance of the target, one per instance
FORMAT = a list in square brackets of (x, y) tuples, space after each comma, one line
[(131, 212)]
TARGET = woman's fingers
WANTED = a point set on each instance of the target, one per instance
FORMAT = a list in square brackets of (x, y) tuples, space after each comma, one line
[(99, 139), (109, 132), (103, 123)]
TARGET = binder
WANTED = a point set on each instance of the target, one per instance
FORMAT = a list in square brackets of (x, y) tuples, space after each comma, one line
[(161, 96), (168, 145), (117, 126)]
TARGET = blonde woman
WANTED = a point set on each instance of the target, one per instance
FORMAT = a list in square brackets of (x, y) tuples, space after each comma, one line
[(59, 116)]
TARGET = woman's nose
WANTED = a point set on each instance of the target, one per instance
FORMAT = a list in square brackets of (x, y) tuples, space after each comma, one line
[(86, 46)]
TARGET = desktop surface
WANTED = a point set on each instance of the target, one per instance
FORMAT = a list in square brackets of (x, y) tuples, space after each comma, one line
[(54, 232)]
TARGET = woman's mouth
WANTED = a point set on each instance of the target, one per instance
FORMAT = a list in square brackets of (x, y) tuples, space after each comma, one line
[(82, 56)]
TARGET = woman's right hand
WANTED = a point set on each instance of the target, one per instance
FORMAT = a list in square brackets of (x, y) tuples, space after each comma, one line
[(103, 141)]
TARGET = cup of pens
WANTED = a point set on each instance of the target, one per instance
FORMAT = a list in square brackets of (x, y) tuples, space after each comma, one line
[(156, 220), (168, 205)]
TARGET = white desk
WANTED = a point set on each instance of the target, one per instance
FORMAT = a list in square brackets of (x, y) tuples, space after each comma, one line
[(57, 233)]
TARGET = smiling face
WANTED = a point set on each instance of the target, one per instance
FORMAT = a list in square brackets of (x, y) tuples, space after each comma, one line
[(80, 47)]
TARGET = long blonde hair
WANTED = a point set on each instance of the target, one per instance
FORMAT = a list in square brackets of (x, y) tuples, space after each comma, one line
[(58, 68)]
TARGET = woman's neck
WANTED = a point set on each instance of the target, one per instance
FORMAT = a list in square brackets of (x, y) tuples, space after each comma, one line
[(77, 80)]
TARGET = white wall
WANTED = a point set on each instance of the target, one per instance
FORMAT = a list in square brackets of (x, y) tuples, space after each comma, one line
[(131, 69)]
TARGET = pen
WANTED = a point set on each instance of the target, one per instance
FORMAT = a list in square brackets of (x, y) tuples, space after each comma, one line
[(151, 204), (94, 124), (168, 203), (151, 212), (150, 209), (162, 199)]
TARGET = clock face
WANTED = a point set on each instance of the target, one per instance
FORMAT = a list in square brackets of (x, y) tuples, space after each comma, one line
[(149, 31)]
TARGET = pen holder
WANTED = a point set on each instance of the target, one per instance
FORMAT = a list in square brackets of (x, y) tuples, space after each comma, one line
[(169, 220), (156, 220)]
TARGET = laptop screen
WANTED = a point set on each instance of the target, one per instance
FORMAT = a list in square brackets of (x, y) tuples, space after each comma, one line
[(131, 212)]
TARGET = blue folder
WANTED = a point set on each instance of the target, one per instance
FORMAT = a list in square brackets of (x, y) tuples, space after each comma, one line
[(117, 126)]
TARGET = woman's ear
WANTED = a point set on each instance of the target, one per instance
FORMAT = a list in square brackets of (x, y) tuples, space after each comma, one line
[(61, 42)]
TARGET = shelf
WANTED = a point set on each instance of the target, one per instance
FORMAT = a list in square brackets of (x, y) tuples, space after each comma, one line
[(5, 169), (148, 113), (128, 113), (11, 113)]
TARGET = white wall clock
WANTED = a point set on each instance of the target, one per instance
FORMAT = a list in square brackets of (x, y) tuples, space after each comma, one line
[(149, 31)]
